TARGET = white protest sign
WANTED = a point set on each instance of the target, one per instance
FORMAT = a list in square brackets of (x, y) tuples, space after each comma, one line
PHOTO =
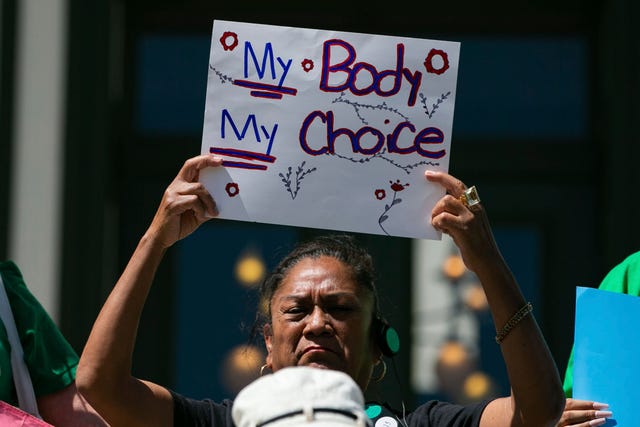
[(328, 129)]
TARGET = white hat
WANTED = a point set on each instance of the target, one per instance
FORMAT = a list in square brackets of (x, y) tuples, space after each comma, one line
[(301, 396)]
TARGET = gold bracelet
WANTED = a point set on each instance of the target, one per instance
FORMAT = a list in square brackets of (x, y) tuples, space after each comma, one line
[(515, 319)]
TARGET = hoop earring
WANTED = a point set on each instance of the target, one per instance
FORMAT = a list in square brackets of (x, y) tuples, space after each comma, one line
[(382, 374), (265, 366)]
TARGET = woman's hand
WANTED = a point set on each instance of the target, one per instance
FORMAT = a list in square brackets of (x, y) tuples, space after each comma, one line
[(584, 413), (468, 226), (185, 205)]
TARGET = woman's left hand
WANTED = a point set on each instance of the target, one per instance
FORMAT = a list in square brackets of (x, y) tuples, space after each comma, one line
[(467, 225)]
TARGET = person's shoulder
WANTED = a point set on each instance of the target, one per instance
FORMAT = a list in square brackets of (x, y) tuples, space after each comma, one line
[(633, 259), (624, 277), (200, 412), (11, 274), (8, 265), (14, 284), (27, 310)]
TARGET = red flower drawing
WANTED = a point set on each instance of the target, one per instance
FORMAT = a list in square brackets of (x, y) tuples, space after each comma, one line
[(307, 65), (229, 40), (396, 186), (232, 189), (428, 62), (380, 194)]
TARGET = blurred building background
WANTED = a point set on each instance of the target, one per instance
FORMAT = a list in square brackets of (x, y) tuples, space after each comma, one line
[(102, 101)]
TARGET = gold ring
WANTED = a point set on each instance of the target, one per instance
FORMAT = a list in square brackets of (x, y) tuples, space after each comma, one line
[(469, 197)]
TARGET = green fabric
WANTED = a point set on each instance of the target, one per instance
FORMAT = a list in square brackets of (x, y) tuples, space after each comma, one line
[(50, 358), (623, 278)]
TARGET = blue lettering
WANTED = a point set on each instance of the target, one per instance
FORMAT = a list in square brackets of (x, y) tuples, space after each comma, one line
[(251, 120), (268, 55), (270, 136)]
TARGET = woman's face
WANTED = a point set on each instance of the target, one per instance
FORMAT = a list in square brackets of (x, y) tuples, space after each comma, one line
[(320, 317)]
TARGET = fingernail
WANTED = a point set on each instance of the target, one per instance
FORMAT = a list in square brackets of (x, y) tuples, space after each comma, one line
[(597, 422), (599, 405), (429, 173), (603, 414)]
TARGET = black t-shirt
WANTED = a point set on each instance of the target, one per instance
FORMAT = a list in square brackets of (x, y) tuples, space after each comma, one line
[(207, 413), (201, 413), (431, 414)]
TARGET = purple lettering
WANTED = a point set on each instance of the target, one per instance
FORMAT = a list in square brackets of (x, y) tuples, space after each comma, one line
[(430, 135), (353, 71)]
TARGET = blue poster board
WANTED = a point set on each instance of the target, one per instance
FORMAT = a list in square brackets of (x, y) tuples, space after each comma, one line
[(607, 350)]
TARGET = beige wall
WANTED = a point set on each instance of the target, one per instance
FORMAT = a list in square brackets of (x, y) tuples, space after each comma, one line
[(35, 217)]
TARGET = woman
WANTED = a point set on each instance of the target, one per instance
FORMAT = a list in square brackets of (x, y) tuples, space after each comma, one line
[(321, 316), (50, 359)]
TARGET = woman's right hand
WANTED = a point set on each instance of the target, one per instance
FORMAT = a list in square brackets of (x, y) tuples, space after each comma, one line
[(185, 205), (583, 413)]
